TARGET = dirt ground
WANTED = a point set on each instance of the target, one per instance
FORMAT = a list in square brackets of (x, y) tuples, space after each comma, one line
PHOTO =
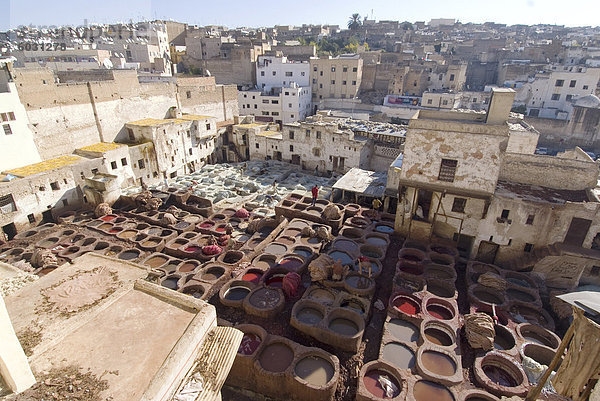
[(350, 363)]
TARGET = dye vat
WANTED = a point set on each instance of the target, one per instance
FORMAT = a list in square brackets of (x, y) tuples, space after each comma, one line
[(439, 311), (538, 335), (213, 274), (372, 381), (399, 355), (428, 391), (438, 337), (353, 305), (275, 249), (518, 281), (265, 298), (265, 263), (382, 228), (376, 241), (129, 255), (403, 330), (156, 261), (192, 249), (291, 264), (410, 268), (359, 282), (343, 326), (305, 253), (194, 290), (374, 268), (315, 370), (253, 277), (503, 340), (127, 234), (520, 295), (343, 256), (322, 295), (249, 344), (488, 297), (276, 357), (236, 293), (171, 282), (499, 376), (187, 267), (406, 305), (309, 316), (345, 245), (275, 281), (438, 363)]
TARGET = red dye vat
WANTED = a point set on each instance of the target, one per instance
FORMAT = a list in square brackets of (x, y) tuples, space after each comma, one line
[(114, 230), (411, 258), (192, 249), (406, 305), (249, 344), (220, 230), (206, 225), (440, 312), (371, 382), (411, 269), (252, 277), (107, 218), (276, 281)]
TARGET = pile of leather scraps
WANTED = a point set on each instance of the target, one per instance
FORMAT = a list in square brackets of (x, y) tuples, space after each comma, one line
[(320, 267), (102, 210), (492, 280), (479, 328)]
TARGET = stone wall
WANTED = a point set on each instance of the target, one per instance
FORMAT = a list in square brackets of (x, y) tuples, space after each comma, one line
[(549, 171)]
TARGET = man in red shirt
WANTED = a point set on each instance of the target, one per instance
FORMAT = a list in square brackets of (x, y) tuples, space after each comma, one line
[(315, 193)]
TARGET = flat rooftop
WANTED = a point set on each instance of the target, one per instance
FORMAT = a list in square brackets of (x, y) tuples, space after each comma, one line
[(150, 122), (364, 182), (101, 147), (534, 193), (44, 166)]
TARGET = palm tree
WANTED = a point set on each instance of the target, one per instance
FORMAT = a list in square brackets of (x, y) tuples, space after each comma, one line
[(354, 22)]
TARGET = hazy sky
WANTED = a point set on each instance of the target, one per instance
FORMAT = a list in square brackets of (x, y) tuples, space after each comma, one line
[(235, 13)]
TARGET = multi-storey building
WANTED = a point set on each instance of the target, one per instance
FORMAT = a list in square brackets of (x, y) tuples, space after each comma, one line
[(337, 77)]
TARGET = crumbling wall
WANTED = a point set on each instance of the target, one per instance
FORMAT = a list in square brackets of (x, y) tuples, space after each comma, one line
[(549, 171)]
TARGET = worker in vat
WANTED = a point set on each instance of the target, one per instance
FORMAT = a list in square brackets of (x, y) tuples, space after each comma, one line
[(376, 204), (315, 194)]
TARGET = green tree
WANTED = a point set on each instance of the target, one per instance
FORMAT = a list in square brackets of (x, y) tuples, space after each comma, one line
[(354, 22)]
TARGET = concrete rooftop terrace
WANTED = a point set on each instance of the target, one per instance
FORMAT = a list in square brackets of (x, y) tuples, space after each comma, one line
[(151, 122)]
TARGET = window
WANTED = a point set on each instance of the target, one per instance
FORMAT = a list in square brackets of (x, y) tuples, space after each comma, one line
[(288, 74), (265, 113), (256, 106), (315, 68), (290, 105), (274, 101), (291, 148), (291, 134), (333, 82), (11, 116), (445, 102), (458, 205), (4, 116), (559, 82), (320, 86), (262, 73), (7, 204), (302, 73), (354, 83), (190, 151), (555, 96), (287, 93), (31, 218), (572, 83), (141, 164), (321, 73), (43, 187), (275, 113), (265, 101), (429, 101), (447, 170), (317, 152), (585, 87), (307, 133), (274, 73), (113, 165), (257, 146), (65, 202), (530, 218), (318, 134), (528, 247), (208, 126), (345, 69), (54, 186), (188, 94), (7, 130), (332, 68), (124, 161), (314, 80), (451, 77), (505, 214), (94, 171), (569, 97), (155, 174), (343, 82), (440, 77), (354, 69)]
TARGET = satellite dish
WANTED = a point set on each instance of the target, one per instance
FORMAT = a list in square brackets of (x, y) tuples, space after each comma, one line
[(208, 74), (107, 64)]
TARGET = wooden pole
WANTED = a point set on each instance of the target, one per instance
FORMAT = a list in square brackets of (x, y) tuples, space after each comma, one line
[(535, 392)]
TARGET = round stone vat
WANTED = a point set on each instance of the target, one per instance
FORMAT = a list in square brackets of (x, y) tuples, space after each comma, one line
[(345, 245), (479, 395), (286, 240), (252, 275), (437, 363), (345, 323), (410, 267), (398, 354), (500, 375), (359, 222), (442, 272), (212, 273), (377, 240), (443, 249), (539, 353), (486, 295), (70, 251), (250, 343), (411, 256), (441, 288), (309, 312), (371, 377), (440, 309), (359, 284), (409, 243), (194, 289), (87, 242), (171, 281), (375, 268), (276, 357), (264, 262), (438, 333), (538, 335), (372, 252), (48, 242), (101, 245), (232, 257), (113, 250), (321, 295), (520, 280), (156, 260), (275, 248), (351, 233), (234, 292), (504, 340), (291, 263), (353, 304), (129, 254), (441, 259), (315, 369), (127, 234), (188, 266), (384, 228), (424, 390), (520, 296), (344, 257), (406, 304), (533, 315), (402, 330), (274, 277), (266, 298), (303, 251)]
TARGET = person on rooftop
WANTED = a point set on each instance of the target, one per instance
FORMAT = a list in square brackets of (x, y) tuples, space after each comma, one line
[(315, 194)]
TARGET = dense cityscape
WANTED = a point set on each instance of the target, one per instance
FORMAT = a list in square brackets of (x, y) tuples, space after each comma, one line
[(402, 210)]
